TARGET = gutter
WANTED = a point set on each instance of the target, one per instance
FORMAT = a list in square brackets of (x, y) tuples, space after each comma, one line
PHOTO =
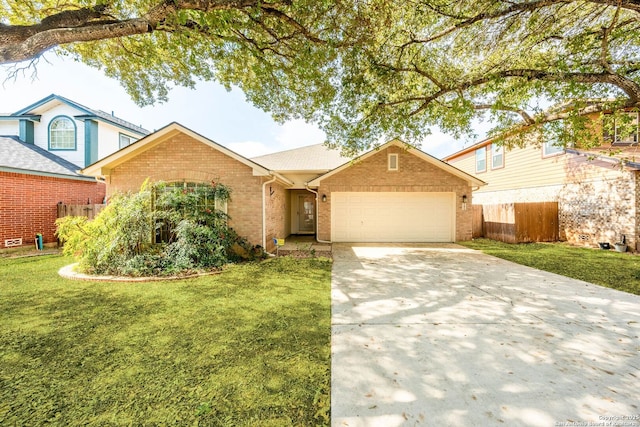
[(76, 177), (264, 211), (317, 210)]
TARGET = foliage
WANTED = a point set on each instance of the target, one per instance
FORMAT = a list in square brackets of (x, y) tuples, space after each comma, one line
[(247, 347), (121, 239), (607, 268), (364, 71)]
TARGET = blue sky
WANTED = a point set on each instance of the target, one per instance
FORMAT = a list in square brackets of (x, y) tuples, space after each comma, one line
[(225, 117)]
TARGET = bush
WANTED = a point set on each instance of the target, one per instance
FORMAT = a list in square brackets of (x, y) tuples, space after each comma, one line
[(160, 230)]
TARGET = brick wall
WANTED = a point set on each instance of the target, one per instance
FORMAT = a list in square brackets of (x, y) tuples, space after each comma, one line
[(181, 158), (414, 175), (28, 204), (277, 204), (600, 211)]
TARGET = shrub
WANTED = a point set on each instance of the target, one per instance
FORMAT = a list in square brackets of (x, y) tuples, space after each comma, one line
[(159, 230)]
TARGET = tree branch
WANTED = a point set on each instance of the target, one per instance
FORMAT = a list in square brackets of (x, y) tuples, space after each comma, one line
[(22, 42), (528, 120), (631, 88)]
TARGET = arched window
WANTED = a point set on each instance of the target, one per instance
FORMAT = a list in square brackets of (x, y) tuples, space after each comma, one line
[(62, 134)]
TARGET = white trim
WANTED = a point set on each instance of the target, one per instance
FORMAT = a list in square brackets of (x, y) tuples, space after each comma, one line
[(556, 150), (497, 150), (476, 159), (392, 162), (634, 135), (103, 167), (317, 214), (264, 212)]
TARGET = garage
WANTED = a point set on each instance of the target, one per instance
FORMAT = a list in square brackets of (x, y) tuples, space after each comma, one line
[(393, 217)]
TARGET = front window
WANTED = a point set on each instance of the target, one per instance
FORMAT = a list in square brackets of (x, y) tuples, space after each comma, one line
[(202, 201), (481, 159), (497, 156), (62, 134)]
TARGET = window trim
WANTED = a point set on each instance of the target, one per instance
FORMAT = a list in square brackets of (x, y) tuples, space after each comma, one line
[(389, 162), (131, 139), (75, 134), (493, 156), (478, 150), (561, 150), (635, 135)]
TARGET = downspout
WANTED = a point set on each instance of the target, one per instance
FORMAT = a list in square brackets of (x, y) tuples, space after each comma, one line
[(317, 210), (264, 212)]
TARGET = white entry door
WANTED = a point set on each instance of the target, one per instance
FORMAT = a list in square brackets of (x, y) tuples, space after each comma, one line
[(392, 217)]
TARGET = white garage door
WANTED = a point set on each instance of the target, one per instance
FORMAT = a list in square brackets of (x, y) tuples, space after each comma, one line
[(392, 217)]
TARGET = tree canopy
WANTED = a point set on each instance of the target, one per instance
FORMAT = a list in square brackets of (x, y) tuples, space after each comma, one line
[(365, 71)]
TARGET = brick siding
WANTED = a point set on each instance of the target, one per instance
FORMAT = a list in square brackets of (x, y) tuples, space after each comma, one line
[(414, 175), (182, 158), (277, 203), (28, 204)]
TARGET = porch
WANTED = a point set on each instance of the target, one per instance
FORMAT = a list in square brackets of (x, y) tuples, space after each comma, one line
[(304, 244)]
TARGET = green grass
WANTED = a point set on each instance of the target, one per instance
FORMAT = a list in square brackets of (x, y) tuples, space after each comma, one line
[(607, 268), (247, 347)]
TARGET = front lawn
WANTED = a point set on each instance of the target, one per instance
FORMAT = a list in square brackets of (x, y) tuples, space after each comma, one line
[(247, 347), (607, 268)]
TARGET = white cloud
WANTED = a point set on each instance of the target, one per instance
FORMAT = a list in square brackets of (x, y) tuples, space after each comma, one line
[(298, 133), (439, 144), (249, 149)]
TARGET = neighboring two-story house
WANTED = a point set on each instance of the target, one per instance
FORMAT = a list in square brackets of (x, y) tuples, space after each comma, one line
[(76, 133), (42, 147), (597, 189)]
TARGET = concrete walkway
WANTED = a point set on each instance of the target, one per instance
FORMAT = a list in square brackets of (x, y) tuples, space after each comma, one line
[(439, 335)]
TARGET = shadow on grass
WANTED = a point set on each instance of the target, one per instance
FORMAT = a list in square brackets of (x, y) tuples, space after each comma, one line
[(614, 270), (247, 347)]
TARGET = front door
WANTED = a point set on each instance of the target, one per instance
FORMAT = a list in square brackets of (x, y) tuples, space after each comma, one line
[(306, 213)]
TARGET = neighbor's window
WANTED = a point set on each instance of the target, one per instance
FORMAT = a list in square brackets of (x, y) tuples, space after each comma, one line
[(552, 147), (393, 162), (126, 140), (624, 128), (497, 156), (481, 159), (62, 134)]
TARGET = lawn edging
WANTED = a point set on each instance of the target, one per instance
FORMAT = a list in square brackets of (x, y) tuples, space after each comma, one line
[(69, 272)]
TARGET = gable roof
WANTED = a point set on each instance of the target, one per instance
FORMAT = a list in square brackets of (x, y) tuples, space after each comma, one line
[(419, 153), (19, 157), (103, 167), (312, 158), (32, 112), (468, 149)]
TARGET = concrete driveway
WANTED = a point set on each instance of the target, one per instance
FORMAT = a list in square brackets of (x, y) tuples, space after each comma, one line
[(439, 335)]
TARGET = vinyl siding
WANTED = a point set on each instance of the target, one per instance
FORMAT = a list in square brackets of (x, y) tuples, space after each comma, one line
[(527, 168)]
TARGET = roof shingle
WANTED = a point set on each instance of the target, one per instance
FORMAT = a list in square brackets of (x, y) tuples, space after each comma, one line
[(316, 157), (17, 155)]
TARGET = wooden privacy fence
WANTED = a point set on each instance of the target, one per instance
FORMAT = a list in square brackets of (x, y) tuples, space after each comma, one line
[(517, 222), (90, 211), (478, 221)]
